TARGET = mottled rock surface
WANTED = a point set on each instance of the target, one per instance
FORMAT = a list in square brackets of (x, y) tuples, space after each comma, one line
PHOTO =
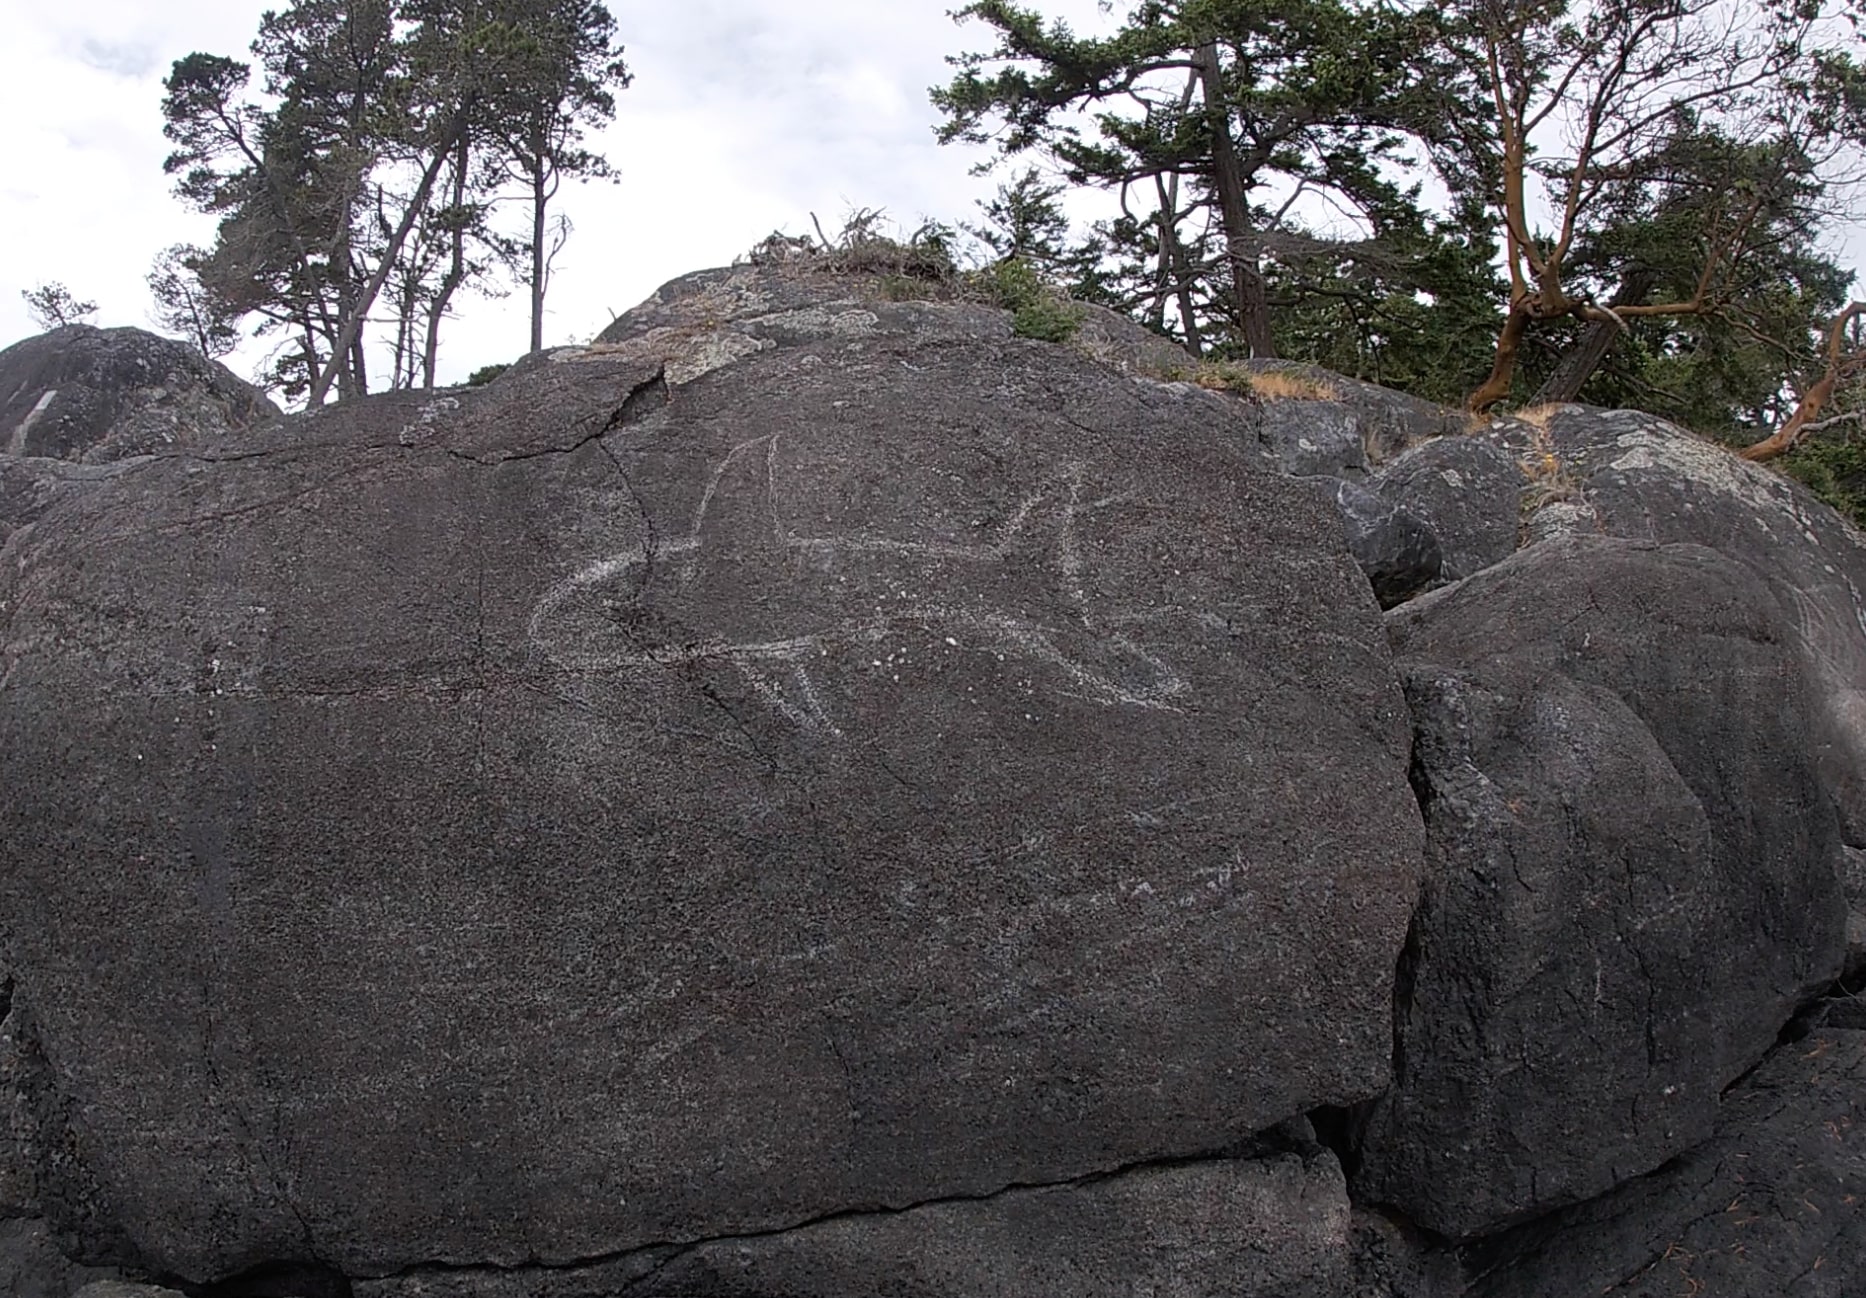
[(1627, 474), (32, 1266), (1468, 491), (698, 784), (1393, 546), (1633, 875), (96, 395), (1772, 1205)]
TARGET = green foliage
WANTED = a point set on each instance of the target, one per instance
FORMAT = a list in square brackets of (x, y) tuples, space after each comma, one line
[(186, 306), (1323, 97), (1835, 470), (366, 169), (1038, 309), (485, 374)]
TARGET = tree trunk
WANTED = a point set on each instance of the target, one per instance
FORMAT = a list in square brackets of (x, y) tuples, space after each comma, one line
[(1839, 366), (1579, 362), (1234, 210), (539, 198), (456, 270), (1503, 367), (353, 323)]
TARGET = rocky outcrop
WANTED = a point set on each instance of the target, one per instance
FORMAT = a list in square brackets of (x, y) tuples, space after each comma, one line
[(1626, 474), (681, 791), (1610, 757), (96, 395), (814, 795)]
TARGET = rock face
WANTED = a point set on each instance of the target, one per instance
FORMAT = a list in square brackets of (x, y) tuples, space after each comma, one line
[(1610, 758), (840, 759), (1769, 1206), (1273, 1227), (1626, 474), (96, 395), (813, 796)]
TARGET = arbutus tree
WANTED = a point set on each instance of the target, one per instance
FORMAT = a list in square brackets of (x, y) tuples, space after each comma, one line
[(1592, 103)]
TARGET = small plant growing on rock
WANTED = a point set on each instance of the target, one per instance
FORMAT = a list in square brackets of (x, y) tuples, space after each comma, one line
[(1550, 480), (1038, 309)]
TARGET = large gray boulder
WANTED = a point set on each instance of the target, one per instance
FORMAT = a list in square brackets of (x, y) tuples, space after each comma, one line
[(1772, 1205), (700, 784), (1633, 875), (96, 395)]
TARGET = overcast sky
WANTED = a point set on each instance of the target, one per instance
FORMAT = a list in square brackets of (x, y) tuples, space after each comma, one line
[(745, 117)]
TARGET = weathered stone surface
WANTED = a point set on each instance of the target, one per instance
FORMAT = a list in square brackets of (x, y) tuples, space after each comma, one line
[(1266, 1228), (1393, 546), (95, 395), (1853, 880), (1632, 875), (125, 1289), (30, 486), (1468, 491), (1646, 479), (1392, 1259), (1312, 438), (1627, 474), (31, 1265), (641, 801), (1774, 1204)]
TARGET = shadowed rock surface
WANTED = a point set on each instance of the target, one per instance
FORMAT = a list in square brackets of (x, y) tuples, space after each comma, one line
[(1274, 1227), (1395, 549), (1610, 759), (688, 789), (1768, 1207), (96, 395)]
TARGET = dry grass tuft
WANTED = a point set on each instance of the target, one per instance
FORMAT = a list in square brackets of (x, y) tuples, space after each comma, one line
[(1286, 385), (1539, 416), (1265, 385), (1550, 480)]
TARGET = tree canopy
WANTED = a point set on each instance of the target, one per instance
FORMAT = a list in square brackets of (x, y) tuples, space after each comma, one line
[(363, 170), (1490, 199)]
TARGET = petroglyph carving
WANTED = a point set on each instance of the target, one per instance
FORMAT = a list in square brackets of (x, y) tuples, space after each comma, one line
[(648, 605)]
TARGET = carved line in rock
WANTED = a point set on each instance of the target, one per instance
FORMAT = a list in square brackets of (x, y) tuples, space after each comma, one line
[(778, 667)]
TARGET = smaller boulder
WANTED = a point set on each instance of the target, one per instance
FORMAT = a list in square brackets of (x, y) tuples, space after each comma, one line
[(1394, 546), (1632, 875), (1468, 491), (96, 395)]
